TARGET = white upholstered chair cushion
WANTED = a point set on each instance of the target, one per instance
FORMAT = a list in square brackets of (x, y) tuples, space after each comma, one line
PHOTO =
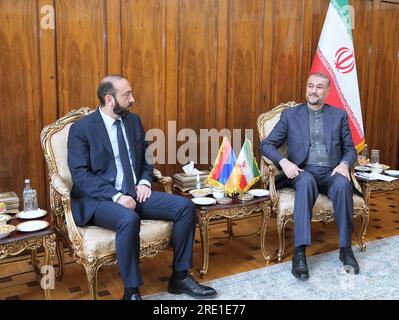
[(323, 203), (97, 240)]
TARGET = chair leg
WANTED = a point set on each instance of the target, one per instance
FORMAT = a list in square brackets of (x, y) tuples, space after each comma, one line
[(60, 258), (281, 238), (91, 273), (362, 233)]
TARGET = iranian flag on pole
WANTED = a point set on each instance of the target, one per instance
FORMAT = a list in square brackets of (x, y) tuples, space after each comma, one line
[(335, 57)]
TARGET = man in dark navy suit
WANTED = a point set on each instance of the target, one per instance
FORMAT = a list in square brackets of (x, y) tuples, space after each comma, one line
[(112, 188), (320, 155)]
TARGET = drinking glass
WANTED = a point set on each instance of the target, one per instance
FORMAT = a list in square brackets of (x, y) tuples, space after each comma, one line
[(375, 156)]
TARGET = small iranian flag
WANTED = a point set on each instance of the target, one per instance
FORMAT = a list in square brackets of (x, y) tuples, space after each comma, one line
[(335, 57), (245, 172)]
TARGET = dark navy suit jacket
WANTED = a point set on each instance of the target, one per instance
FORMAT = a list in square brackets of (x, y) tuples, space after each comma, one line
[(294, 126), (92, 163)]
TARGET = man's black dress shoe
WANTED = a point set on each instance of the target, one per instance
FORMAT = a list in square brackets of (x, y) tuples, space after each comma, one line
[(348, 258), (299, 266), (134, 296), (191, 287)]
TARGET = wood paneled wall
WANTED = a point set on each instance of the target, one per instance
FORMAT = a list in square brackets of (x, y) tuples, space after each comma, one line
[(205, 64)]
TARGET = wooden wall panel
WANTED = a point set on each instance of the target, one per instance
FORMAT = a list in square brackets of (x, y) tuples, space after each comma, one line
[(81, 52), (197, 54), (361, 31), (384, 134), (244, 66), (21, 119), (114, 29), (196, 64), (287, 53), (143, 57), (320, 8)]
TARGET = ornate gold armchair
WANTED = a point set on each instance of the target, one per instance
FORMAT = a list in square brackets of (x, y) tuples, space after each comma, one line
[(283, 200), (91, 246)]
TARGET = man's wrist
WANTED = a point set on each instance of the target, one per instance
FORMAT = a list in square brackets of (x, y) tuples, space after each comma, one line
[(145, 183), (116, 197), (282, 161), (345, 163)]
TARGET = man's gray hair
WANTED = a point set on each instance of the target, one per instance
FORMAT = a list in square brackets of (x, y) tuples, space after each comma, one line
[(321, 75)]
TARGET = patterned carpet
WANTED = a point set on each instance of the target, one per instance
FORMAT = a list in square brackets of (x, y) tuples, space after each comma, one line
[(378, 278)]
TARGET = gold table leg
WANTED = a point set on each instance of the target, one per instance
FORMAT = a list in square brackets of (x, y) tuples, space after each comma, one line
[(203, 223), (49, 245), (265, 219), (230, 227)]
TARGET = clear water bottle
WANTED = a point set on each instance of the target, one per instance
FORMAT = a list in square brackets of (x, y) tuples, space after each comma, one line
[(29, 197), (198, 185)]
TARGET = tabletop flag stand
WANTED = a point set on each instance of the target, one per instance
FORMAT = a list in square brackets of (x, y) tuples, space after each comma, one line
[(245, 172), (234, 175), (223, 166)]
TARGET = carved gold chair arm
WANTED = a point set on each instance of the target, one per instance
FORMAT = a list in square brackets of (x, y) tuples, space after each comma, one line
[(164, 180), (61, 202), (355, 182), (362, 186), (269, 174)]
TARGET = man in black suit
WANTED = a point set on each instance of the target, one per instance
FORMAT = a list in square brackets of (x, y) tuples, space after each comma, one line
[(320, 155), (112, 188)]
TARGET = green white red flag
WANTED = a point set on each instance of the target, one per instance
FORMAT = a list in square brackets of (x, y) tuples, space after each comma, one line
[(335, 57), (245, 172)]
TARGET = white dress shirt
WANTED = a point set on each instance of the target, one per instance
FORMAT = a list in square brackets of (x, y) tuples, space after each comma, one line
[(112, 134)]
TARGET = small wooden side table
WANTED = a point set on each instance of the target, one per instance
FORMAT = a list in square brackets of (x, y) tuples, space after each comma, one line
[(18, 241)]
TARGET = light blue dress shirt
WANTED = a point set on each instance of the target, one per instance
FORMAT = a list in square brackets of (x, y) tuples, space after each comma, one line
[(112, 134)]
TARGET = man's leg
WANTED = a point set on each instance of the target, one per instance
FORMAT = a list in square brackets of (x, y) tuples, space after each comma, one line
[(340, 191), (179, 210), (306, 193), (182, 212), (305, 196), (126, 223)]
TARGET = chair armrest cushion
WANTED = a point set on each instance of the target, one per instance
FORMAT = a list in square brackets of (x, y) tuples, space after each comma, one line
[(59, 185)]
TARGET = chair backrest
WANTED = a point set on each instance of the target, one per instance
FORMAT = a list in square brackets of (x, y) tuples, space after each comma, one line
[(54, 139), (268, 120)]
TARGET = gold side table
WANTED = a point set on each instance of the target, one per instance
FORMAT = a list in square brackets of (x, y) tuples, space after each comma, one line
[(18, 241), (377, 186), (235, 209)]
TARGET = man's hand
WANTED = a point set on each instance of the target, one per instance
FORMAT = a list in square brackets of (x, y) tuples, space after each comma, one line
[(143, 192), (343, 169), (127, 202), (290, 169)]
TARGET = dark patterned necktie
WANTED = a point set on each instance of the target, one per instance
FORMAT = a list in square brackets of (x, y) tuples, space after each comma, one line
[(128, 181)]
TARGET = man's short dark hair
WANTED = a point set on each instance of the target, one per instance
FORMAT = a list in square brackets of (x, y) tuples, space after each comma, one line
[(106, 87), (321, 75)]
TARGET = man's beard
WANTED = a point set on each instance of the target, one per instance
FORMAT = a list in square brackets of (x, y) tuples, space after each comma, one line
[(315, 103), (119, 110)]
